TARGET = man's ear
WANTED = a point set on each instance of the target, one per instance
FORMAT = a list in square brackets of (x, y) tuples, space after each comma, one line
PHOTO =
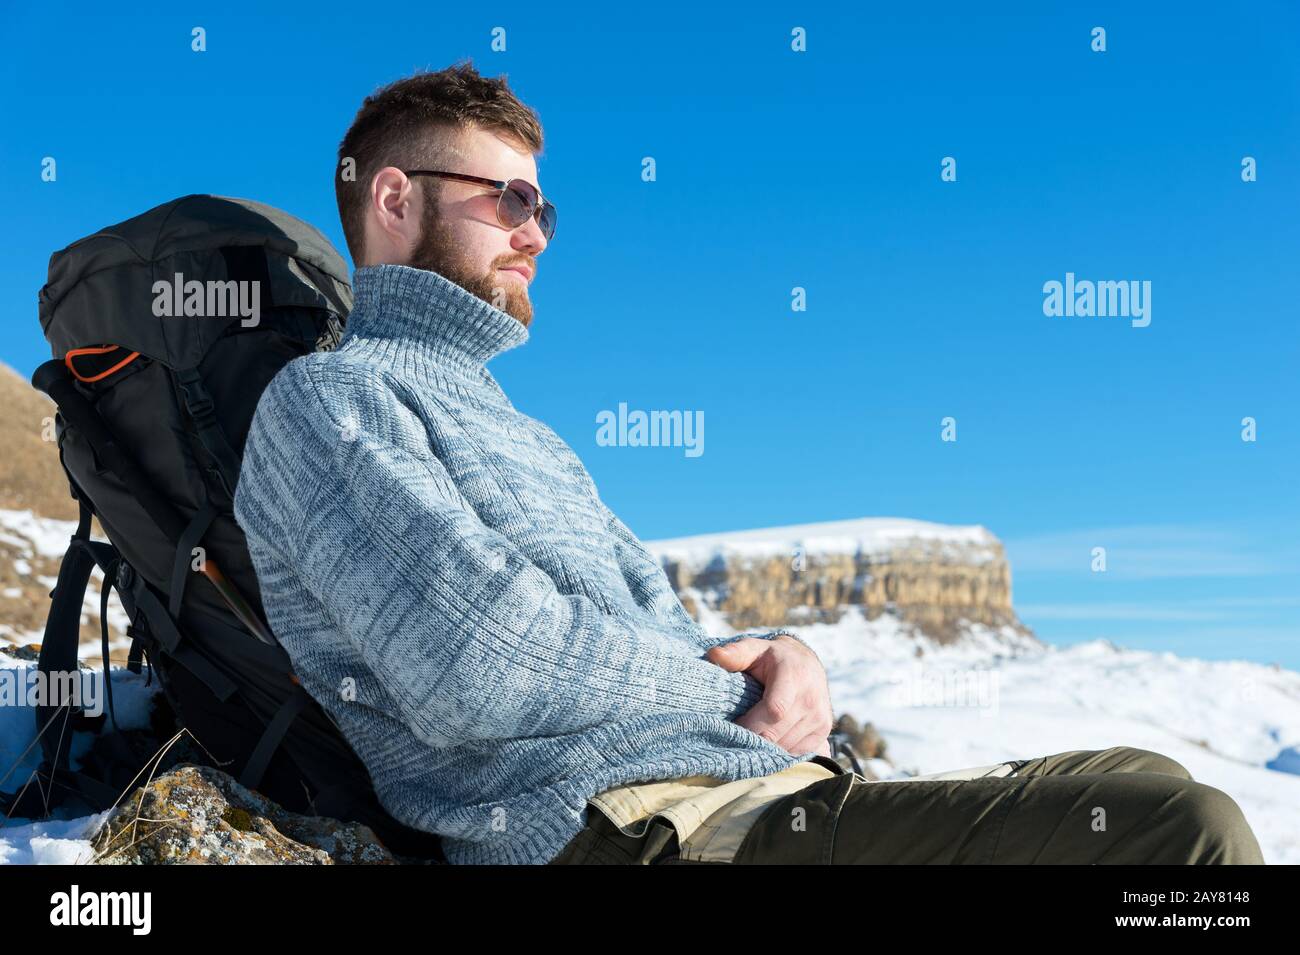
[(394, 215)]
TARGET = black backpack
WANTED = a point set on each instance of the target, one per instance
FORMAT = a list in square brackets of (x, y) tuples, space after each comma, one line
[(153, 412)]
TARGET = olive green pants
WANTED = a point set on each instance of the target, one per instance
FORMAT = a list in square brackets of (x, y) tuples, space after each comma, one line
[(1117, 806)]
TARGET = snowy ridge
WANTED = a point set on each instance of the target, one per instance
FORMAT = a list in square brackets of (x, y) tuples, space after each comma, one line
[(876, 537)]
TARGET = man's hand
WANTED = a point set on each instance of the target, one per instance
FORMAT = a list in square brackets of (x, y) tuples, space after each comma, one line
[(795, 711)]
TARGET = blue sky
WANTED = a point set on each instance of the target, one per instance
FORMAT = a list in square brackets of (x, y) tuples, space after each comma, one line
[(818, 170)]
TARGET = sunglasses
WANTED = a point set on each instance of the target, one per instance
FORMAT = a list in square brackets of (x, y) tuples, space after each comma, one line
[(519, 201)]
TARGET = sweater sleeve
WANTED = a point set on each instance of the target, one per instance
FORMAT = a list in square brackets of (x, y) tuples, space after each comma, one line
[(470, 638)]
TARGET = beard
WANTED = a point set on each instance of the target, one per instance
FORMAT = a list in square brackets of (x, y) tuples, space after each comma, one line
[(438, 252)]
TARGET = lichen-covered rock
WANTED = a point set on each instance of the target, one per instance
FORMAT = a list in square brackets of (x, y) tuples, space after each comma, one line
[(200, 815)]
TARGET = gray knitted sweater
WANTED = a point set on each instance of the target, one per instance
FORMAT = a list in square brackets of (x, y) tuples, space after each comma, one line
[(493, 642)]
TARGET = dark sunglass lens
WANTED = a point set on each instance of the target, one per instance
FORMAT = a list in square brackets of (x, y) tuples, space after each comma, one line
[(547, 221), (517, 203)]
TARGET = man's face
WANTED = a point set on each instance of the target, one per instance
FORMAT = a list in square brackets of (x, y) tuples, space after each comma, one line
[(461, 237)]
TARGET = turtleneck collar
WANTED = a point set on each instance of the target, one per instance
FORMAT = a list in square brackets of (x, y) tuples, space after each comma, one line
[(410, 316)]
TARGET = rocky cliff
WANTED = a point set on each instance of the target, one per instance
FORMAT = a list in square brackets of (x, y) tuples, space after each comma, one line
[(940, 579)]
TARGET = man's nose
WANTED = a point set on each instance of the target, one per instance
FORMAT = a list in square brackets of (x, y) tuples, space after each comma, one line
[(529, 237)]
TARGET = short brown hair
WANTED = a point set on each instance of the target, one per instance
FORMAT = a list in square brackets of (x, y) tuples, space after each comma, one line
[(415, 122)]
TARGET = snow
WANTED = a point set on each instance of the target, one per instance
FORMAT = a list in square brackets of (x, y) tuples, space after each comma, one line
[(42, 537), (27, 531), (877, 537), (1234, 725), (52, 842), (63, 839)]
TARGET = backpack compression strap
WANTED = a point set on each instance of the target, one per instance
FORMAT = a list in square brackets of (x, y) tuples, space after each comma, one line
[(199, 404), (243, 264)]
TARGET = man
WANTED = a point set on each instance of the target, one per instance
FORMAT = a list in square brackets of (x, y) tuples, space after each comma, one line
[(501, 651)]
